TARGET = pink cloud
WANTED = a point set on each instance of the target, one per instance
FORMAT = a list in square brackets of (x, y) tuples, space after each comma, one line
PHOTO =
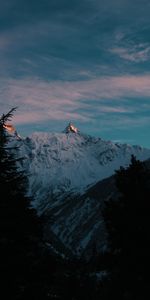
[(34, 117), (57, 100)]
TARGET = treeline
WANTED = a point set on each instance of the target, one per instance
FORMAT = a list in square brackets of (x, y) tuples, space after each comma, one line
[(30, 271), (25, 264), (128, 223)]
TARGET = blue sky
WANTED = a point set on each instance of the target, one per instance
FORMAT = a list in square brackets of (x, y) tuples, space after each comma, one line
[(85, 61)]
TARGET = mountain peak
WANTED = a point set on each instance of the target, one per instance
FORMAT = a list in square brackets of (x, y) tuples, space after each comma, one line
[(71, 128), (11, 130)]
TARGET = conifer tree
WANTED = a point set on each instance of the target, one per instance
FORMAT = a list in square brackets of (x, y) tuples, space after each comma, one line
[(20, 228), (127, 221)]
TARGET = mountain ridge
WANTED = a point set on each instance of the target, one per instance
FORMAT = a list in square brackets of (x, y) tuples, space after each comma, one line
[(64, 169)]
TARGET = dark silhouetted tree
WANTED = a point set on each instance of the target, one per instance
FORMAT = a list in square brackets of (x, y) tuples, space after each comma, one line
[(127, 220), (20, 227)]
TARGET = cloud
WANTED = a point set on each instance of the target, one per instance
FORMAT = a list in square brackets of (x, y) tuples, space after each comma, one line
[(35, 117), (135, 54), (70, 36), (114, 109), (82, 100)]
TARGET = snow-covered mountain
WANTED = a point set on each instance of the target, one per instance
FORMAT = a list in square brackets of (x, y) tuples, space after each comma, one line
[(61, 168), (62, 163)]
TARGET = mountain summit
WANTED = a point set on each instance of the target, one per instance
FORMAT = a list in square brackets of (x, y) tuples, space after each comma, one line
[(11, 130), (71, 128)]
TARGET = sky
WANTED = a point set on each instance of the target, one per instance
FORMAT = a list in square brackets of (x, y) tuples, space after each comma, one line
[(84, 61)]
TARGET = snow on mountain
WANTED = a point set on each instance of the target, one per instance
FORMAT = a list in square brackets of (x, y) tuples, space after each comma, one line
[(60, 163), (61, 167), (71, 128), (11, 130)]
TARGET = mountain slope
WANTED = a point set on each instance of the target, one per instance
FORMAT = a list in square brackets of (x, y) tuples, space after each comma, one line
[(65, 170), (78, 222), (61, 163)]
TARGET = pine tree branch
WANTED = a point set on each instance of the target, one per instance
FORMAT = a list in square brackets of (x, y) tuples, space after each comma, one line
[(8, 116)]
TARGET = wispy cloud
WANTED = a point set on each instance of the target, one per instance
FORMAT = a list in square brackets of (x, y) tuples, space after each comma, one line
[(115, 109), (72, 60), (137, 54), (56, 100)]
